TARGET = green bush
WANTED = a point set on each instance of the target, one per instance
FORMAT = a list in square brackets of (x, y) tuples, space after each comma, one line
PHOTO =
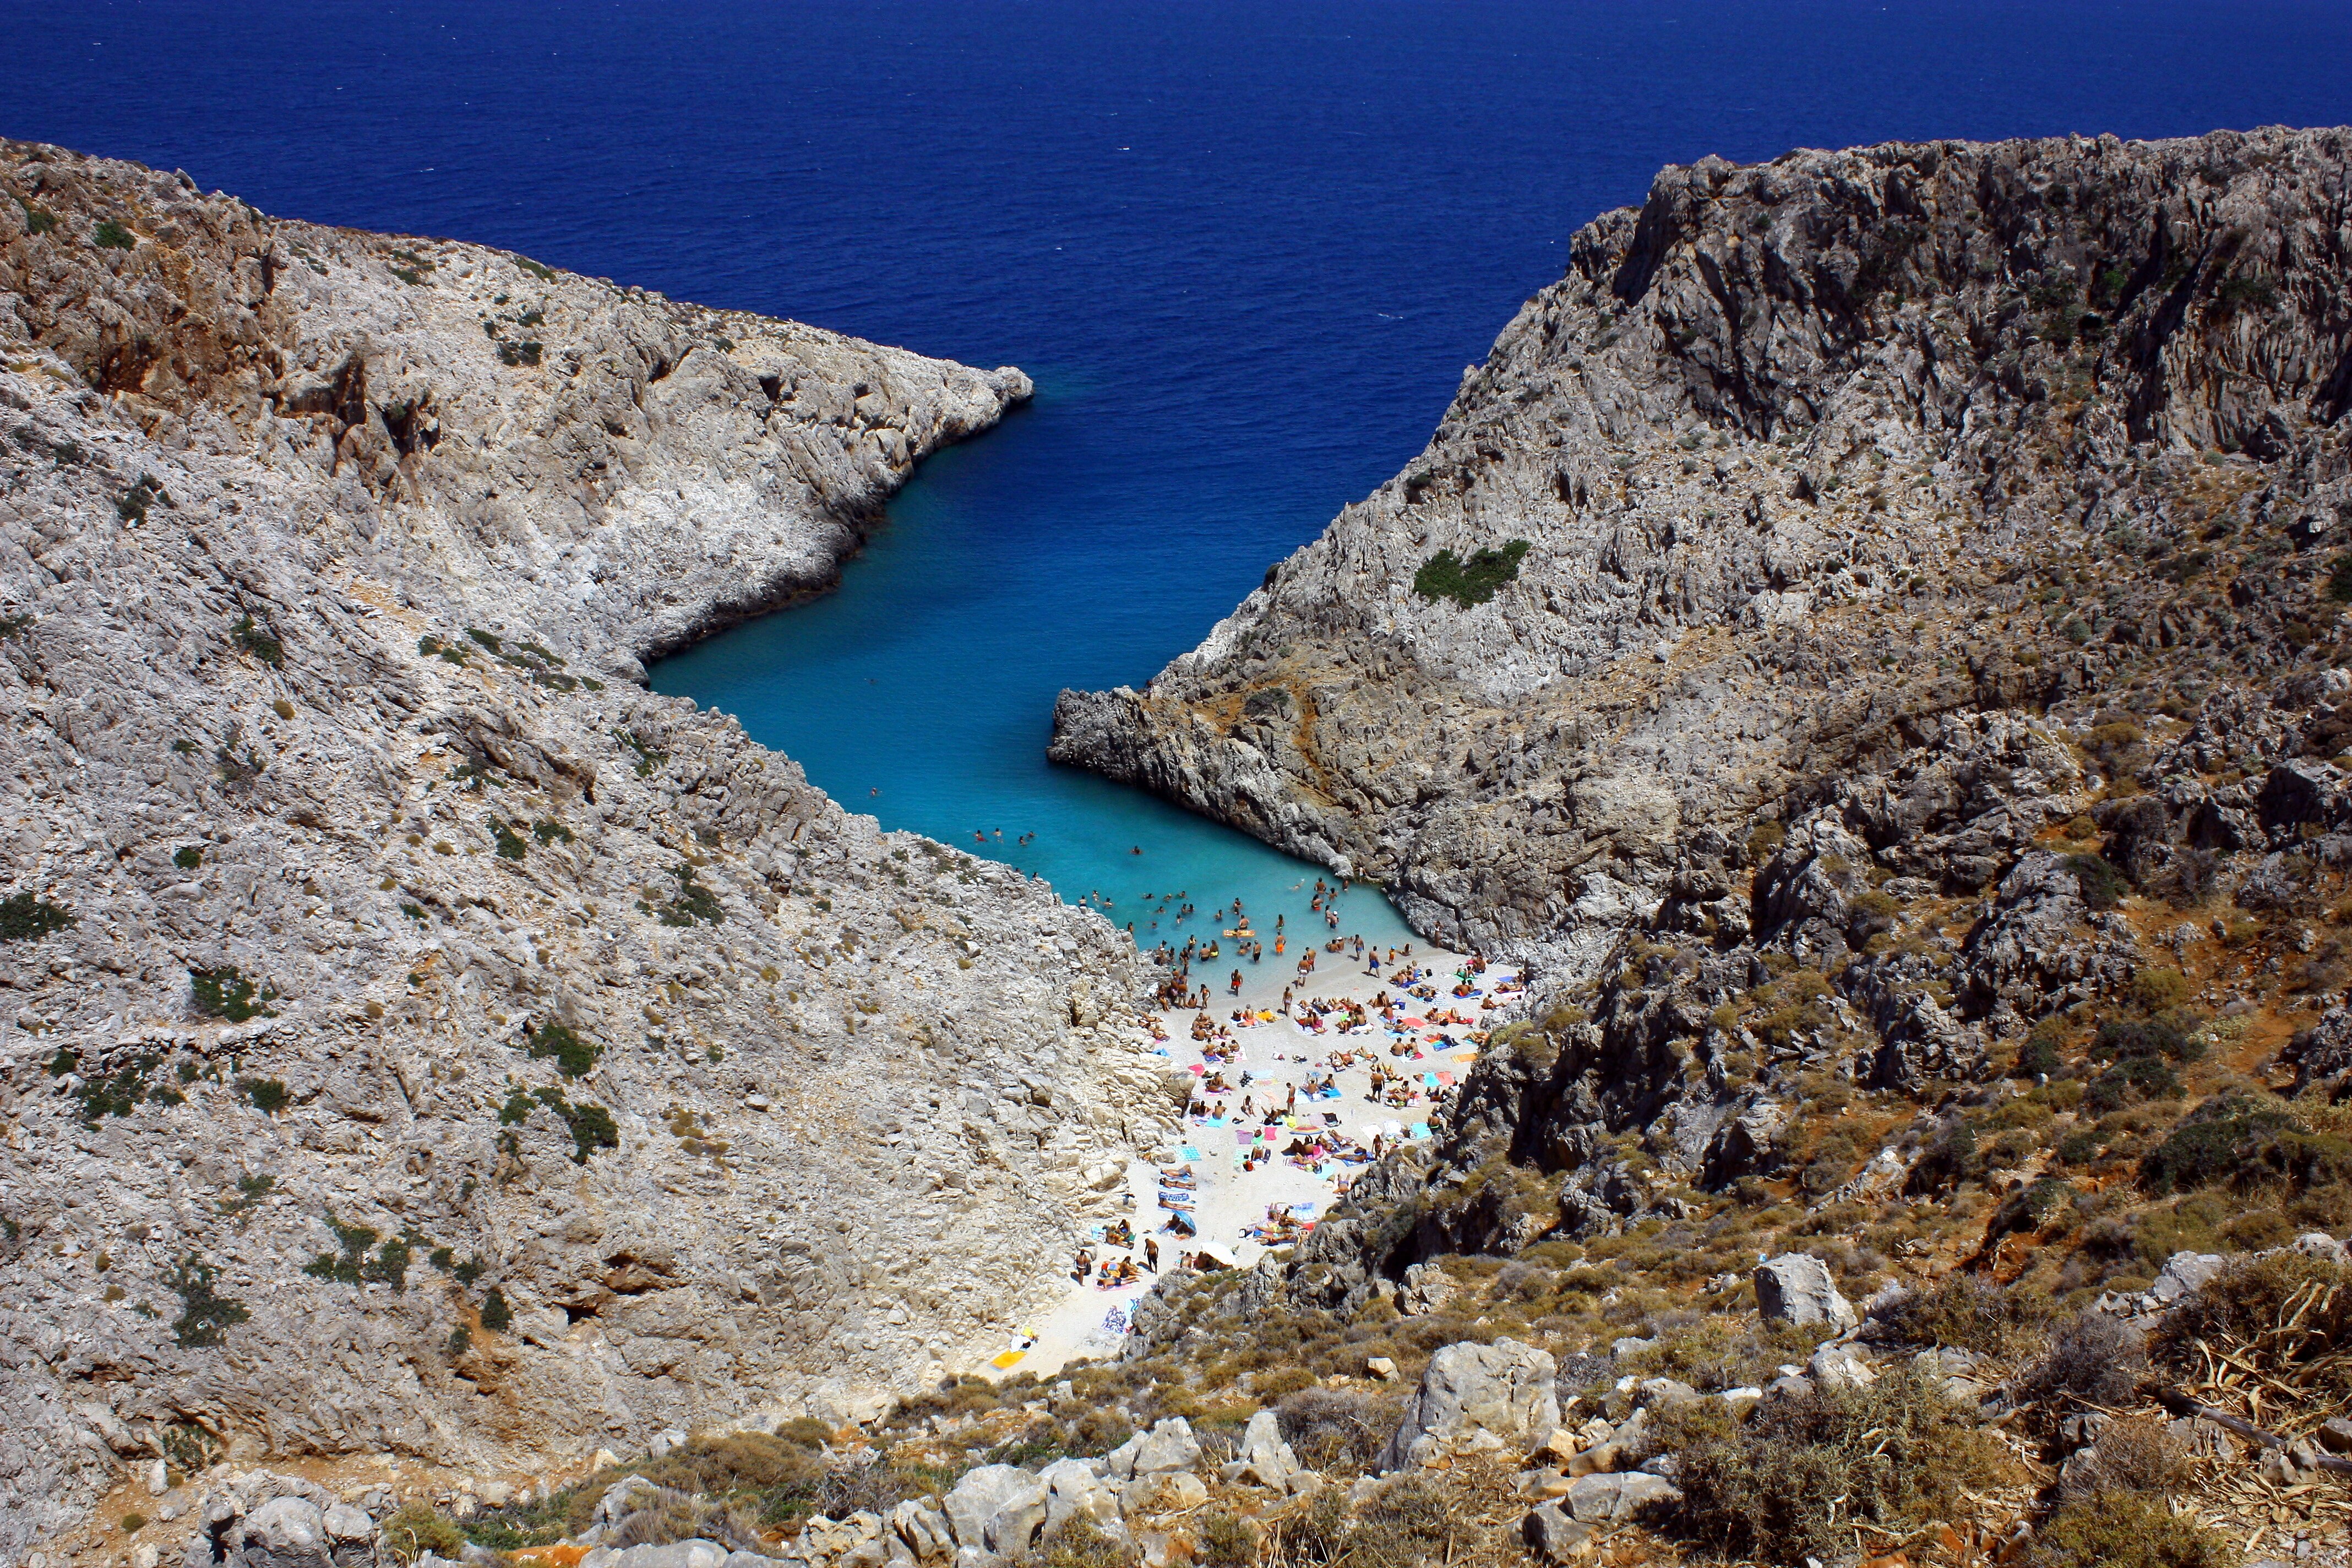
[(254, 639), (268, 1095), (205, 1315), (23, 916), (2239, 1141), (693, 904), (2103, 885), (592, 1126), (1445, 575), (110, 234), (1787, 1485), (575, 1058), (38, 220), (187, 858), (497, 1316), (224, 993)]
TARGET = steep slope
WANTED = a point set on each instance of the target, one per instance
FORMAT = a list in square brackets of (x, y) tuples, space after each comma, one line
[(1796, 461), (424, 1041)]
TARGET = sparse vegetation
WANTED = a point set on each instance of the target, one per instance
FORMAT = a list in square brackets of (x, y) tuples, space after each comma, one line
[(1894, 1455), (225, 993), (25, 918), (205, 1316), (574, 1057), (1446, 575)]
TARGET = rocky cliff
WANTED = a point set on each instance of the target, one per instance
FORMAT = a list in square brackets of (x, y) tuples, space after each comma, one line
[(1797, 466), (1871, 636), (422, 1040)]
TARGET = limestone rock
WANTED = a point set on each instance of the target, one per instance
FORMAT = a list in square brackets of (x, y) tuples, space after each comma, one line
[(996, 1508), (1797, 1287), (1504, 1389), (1550, 1535), (328, 562), (1622, 1499)]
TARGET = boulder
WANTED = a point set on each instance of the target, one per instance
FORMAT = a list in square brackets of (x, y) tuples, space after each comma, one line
[(2184, 1274), (924, 1532), (1550, 1535), (1797, 1287), (1072, 1488), (1505, 1389), (1265, 1459), (996, 1508), (1170, 1446), (1622, 1499), (1837, 1366), (285, 1532)]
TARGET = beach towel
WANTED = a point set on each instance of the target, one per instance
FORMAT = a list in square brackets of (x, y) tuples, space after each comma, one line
[(1009, 1360), (1190, 1152), (1446, 1079), (1421, 1129), (1330, 1119), (1195, 1068)]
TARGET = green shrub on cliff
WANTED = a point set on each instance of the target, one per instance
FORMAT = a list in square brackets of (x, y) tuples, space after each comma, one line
[(1446, 575)]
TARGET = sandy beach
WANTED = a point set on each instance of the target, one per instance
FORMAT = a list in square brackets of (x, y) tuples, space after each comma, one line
[(1311, 1068)]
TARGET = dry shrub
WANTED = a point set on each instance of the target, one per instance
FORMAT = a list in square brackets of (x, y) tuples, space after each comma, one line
[(2286, 1314), (737, 1462), (1337, 1429), (1080, 1543), (2091, 1360), (669, 1515), (419, 1528), (1225, 1542), (1964, 1312), (2126, 1530), (1785, 1486), (1409, 1525), (2135, 1454)]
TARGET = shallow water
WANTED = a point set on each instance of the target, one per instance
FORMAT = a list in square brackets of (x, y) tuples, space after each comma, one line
[(1244, 247)]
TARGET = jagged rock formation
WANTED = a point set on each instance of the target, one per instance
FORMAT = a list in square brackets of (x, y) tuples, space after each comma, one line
[(1871, 629), (1805, 457), (422, 1040)]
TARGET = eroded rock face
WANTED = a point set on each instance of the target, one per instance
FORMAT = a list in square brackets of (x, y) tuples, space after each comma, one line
[(1788, 447), (383, 946)]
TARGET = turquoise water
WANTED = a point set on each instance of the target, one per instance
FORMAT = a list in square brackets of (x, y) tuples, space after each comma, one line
[(1245, 246), (929, 676)]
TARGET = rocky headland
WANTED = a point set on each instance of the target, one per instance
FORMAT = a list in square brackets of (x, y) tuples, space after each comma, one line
[(422, 1041)]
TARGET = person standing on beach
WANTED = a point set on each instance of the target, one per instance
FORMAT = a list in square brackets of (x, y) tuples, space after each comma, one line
[(1152, 1254)]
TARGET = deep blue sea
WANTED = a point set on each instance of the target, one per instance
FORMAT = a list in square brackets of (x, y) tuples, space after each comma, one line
[(1245, 249)]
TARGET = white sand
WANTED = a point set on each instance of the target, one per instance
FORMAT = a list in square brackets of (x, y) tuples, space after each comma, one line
[(1277, 1055)]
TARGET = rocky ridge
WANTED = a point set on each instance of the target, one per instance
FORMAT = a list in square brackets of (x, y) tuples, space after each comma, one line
[(424, 1042), (1796, 462), (1871, 637)]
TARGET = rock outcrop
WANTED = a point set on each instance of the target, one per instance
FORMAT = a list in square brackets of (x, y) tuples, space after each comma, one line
[(1797, 466), (424, 1041)]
